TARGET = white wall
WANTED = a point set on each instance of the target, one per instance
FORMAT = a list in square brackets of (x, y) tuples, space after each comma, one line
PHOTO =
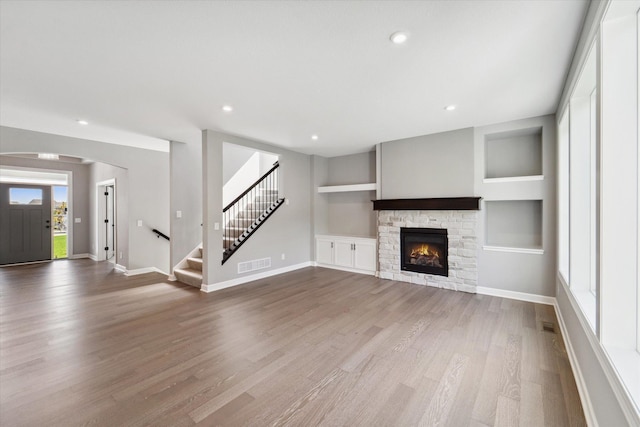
[(148, 173)]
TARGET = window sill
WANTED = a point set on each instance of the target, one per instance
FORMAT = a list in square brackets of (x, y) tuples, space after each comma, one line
[(626, 362), (587, 302)]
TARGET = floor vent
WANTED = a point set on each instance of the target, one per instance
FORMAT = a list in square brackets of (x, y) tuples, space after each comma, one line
[(549, 327), (256, 264)]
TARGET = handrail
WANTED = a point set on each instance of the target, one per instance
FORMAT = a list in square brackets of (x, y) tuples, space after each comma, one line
[(160, 234), (251, 187)]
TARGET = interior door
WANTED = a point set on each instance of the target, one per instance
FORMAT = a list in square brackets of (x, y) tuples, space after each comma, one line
[(25, 223), (110, 222)]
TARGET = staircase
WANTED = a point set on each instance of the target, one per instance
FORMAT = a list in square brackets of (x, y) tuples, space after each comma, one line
[(245, 222), (189, 270), (241, 218)]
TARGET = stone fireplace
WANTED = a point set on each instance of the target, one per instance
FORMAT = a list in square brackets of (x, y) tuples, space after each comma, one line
[(435, 247)]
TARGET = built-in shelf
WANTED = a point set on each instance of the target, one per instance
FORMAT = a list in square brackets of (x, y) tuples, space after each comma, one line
[(513, 154), (513, 225), (513, 250), (513, 179), (345, 188)]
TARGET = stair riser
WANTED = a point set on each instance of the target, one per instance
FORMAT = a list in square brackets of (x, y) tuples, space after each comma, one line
[(196, 264), (188, 280)]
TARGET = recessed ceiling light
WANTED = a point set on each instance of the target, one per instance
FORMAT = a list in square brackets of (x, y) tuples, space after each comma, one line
[(314, 137), (82, 122), (227, 108), (450, 107), (48, 156), (398, 37)]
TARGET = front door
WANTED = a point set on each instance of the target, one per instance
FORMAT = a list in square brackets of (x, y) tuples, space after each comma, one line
[(25, 223)]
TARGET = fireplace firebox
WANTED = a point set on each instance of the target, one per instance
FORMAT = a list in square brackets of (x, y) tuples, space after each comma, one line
[(424, 250)]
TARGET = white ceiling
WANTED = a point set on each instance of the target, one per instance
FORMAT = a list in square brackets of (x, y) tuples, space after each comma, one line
[(146, 72)]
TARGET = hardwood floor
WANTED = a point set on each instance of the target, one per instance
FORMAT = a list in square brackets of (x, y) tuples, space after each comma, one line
[(83, 345)]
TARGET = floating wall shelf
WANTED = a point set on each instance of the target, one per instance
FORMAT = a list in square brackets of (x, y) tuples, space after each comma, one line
[(346, 188), (514, 179)]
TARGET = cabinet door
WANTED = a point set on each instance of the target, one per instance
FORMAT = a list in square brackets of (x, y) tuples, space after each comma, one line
[(365, 256), (324, 251), (343, 253)]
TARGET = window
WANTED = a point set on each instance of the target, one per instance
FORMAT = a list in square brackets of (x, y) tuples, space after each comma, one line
[(25, 196), (599, 191)]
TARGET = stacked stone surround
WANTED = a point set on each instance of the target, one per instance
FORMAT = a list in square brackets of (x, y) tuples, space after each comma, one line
[(461, 228)]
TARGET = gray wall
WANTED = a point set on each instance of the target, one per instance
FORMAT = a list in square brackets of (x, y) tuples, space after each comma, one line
[(101, 172), (512, 271), (351, 213), (437, 165), (319, 202), (287, 232), (80, 195), (186, 196), (606, 407), (353, 169), (148, 173)]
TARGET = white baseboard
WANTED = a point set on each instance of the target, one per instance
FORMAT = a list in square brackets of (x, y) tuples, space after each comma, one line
[(520, 296), (120, 268), (350, 270), (92, 257), (172, 278), (78, 256), (241, 280), (137, 271)]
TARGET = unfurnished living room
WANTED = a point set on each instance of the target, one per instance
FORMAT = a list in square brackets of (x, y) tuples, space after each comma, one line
[(319, 213)]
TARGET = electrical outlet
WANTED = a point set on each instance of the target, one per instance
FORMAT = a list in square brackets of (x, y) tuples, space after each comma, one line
[(286, 201), (139, 223), (77, 220), (282, 256), (216, 226), (178, 214), (120, 255)]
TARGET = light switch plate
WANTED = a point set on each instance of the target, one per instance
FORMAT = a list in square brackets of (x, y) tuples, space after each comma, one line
[(77, 220)]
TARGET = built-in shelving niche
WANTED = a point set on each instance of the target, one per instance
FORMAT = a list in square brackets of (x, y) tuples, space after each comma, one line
[(513, 226), (513, 155)]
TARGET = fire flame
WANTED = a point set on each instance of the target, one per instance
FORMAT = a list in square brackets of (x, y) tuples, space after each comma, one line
[(424, 250)]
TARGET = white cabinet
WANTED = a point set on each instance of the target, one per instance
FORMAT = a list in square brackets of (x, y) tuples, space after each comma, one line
[(324, 250), (343, 253), (356, 254)]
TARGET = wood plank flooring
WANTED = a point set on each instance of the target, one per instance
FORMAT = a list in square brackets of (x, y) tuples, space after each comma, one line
[(81, 344)]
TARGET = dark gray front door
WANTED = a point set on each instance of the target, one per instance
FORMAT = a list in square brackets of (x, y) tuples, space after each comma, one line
[(25, 223)]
